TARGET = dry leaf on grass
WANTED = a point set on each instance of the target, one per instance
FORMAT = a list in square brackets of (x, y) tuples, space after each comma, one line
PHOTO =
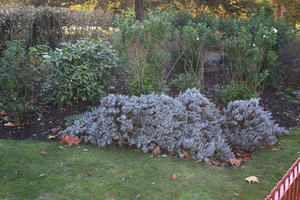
[(216, 167), (174, 176), (44, 152), (62, 148), (42, 175), (252, 179)]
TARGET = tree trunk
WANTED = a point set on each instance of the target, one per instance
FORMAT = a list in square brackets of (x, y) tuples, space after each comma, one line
[(139, 10)]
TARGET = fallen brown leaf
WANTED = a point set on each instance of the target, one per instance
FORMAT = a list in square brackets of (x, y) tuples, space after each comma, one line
[(3, 112), (186, 154), (44, 152), (174, 176), (85, 150), (216, 167), (171, 155), (235, 162), (281, 168), (9, 124), (156, 151), (70, 140), (274, 149), (117, 136), (54, 130), (267, 146)]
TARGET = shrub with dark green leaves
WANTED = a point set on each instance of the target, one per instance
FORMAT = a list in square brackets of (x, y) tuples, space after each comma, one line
[(78, 72), (16, 79)]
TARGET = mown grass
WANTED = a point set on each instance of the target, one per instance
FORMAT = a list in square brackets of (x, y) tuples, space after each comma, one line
[(115, 173)]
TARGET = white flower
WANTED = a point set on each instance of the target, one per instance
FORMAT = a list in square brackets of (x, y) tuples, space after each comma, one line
[(46, 56), (264, 36), (197, 39), (253, 45), (275, 30)]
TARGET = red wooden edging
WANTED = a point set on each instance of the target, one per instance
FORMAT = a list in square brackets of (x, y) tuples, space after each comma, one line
[(289, 186)]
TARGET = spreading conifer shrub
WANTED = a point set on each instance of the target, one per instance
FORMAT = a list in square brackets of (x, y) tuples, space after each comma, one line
[(247, 126), (186, 123)]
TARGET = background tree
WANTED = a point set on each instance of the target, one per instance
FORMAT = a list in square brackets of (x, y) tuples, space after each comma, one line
[(288, 9), (139, 10)]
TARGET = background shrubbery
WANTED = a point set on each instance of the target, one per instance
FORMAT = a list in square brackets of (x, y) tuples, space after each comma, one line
[(46, 25), (142, 48), (16, 79)]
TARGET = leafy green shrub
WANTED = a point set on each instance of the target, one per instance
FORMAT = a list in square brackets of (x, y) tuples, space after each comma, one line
[(142, 51), (237, 91), (185, 81), (16, 78), (78, 72)]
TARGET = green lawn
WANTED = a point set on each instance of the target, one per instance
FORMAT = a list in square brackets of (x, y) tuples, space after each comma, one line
[(114, 173)]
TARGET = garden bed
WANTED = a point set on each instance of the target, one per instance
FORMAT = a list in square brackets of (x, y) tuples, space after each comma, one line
[(286, 114)]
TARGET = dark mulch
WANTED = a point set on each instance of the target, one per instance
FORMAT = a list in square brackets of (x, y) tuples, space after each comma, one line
[(47, 120)]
